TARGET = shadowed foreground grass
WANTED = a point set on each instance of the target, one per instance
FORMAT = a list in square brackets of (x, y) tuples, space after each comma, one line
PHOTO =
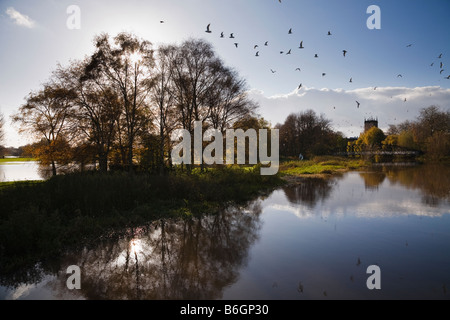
[(42, 219)]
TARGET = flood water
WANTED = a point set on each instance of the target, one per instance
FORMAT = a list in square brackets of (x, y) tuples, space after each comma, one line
[(20, 171), (314, 240)]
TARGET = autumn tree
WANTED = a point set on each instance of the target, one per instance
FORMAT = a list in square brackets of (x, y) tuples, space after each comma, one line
[(45, 115)]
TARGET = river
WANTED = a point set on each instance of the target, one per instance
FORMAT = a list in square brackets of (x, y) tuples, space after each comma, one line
[(319, 239)]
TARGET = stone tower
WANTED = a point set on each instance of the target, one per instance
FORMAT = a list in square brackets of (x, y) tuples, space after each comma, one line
[(369, 123)]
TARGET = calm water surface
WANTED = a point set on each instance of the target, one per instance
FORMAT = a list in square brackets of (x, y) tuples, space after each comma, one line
[(314, 240), (20, 171)]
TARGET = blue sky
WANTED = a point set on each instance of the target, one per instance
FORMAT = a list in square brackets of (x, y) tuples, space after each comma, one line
[(34, 38)]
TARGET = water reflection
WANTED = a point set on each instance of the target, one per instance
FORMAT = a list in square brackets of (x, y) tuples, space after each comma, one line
[(396, 218), (188, 259), (310, 190)]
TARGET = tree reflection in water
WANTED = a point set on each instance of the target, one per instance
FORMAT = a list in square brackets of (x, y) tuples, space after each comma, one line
[(194, 258), (311, 190)]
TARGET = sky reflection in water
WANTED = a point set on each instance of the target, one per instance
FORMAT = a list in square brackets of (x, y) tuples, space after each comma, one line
[(311, 241)]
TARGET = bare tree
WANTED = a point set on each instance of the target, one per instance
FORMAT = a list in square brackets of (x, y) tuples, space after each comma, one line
[(127, 64), (97, 109)]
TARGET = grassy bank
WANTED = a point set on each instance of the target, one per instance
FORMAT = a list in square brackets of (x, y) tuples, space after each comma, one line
[(319, 166), (40, 220), (3, 160)]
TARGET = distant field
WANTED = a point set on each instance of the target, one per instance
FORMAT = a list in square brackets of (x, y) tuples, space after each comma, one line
[(16, 160)]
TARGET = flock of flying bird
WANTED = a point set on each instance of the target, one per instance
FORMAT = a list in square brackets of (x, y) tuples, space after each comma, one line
[(344, 53)]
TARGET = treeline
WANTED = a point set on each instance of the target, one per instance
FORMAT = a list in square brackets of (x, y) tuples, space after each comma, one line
[(311, 135), (119, 106), (429, 134)]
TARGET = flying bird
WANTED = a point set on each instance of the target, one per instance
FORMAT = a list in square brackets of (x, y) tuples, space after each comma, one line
[(316, 56), (409, 45), (358, 104), (221, 34), (323, 74), (290, 31), (207, 28), (257, 53), (255, 46), (329, 33), (266, 43), (399, 76), (231, 36), (301, 45), (351, 80), (298, 69), (442, 70), (440, 56), (447, 77), (273, 71), (299, 86), (344, 52), (281, 52), (236, 44), (375, 88), (431, 64), (289, 52), (441, 65), (161, 21)]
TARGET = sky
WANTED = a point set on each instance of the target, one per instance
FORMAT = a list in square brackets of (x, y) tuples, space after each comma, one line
[(409, 37)]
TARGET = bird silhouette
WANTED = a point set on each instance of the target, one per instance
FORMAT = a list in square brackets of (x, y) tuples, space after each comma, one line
[(161, 21), (221, 34), (266, 43), (431, 64), (300, 287), (298, 69), (273, 71), (357, 103), (399, 76), (441, 65), (351, 80), (299, 87), (316, 56), (257, 53), (442, 70), (255, 46), (236, 44), (447, 77), (440, 56), (207, 28), (329, 33), (409, 45), (359, 262), (290, 31), (375, 88), (323, 74), (344, 52), (289, 52), (281, 52), (231, 36), (301, 45)]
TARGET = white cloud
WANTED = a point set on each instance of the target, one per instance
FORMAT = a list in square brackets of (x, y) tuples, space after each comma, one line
[(19, 18), (385, 103)]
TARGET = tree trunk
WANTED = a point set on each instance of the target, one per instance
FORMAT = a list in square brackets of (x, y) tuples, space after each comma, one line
[(53, 168)]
